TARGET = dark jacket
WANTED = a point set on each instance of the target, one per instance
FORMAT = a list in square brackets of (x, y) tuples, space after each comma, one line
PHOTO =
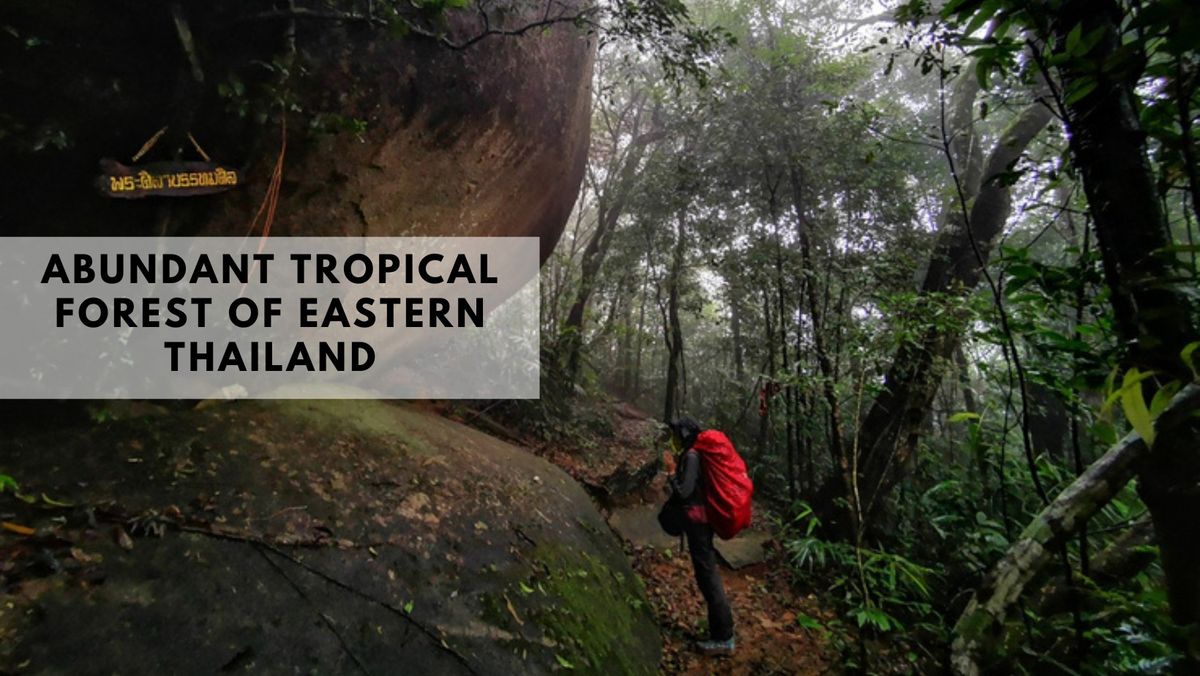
[(687, 484)]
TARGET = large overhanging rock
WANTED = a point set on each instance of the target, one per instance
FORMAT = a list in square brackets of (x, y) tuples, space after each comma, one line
[(314, 537), (398, 134)]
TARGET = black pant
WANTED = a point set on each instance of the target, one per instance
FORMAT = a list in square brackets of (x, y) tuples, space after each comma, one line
[(708, 578)]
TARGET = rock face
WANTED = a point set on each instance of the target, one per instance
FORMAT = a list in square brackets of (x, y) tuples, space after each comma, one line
[(389, 135), (314, 537)]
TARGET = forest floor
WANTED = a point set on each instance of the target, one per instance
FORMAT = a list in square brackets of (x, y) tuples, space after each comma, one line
[(779, 627), (766, 607)]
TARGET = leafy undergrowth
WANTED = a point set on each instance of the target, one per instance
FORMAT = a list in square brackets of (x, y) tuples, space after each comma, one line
[(606, 445), (614, 462), (779, 631)]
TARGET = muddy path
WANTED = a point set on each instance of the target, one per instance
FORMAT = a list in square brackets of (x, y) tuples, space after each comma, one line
[(765, 610), (769, 609), (770, 605)]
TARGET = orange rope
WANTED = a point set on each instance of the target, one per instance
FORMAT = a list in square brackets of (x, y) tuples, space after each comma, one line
[(271, 199), (276, 181)]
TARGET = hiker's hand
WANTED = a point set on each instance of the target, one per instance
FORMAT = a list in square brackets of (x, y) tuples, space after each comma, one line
[(668, 462)]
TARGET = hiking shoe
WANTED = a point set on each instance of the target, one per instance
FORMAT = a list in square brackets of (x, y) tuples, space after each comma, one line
[(716, 647)]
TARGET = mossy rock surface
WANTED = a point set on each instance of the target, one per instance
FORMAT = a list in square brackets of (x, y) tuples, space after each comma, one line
[(317, 536)]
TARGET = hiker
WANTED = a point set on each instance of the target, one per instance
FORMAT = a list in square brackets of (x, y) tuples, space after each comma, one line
[(687, 485)]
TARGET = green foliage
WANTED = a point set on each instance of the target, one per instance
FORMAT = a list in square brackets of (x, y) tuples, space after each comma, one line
[(334, 123), (1188, 356), (101, 414), (958, 515), (1132, 396), (958, 524), (792, 146), (665, 28), (1062, 318), (879, 590), (1134, 643), (1133, 403)]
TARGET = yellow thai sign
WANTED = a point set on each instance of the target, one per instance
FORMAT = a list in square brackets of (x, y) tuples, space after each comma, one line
[(170, 179)]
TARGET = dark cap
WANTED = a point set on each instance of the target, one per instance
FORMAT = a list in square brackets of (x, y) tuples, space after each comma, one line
[(687, 429)]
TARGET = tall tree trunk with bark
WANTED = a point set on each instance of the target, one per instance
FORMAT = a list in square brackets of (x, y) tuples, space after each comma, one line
[(788, 388), (891, 429), (1154, 317), (612, 200), (674, 330), (768, 384), (735, 326), (815, 312)]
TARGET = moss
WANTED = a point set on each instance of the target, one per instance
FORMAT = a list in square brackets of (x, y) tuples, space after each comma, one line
[(581, 601), (598, 616), (493, 611), (361, 416), (974, 624)]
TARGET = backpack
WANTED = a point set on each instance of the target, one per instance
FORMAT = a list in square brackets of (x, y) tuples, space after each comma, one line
[(727, 486), (671, 517)]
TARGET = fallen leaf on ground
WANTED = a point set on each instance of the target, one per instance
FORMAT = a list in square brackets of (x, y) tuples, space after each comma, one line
[(83, 557), (513, 610), (122, 538), (17, 528)]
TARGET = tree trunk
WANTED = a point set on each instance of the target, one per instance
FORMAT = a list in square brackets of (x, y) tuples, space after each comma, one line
[(788, 388), (1128, 555), (1154, 317), (739, 356), (892, 427), (828, 378), (675, 331), (799, 413), (611, 205), (625, 349), (636, 380), (764, 420)]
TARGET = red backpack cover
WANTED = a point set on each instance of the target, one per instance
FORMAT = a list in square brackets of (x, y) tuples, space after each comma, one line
[(727, 486)]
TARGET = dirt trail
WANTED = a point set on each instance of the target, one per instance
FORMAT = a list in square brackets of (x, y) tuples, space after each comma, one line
[(765, 609), (763, 596)]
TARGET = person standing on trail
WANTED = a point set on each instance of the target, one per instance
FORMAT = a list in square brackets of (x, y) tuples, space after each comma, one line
[(686, 480)]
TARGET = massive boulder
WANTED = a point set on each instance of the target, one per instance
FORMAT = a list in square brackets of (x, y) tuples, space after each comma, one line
[(313, 536), (389, 133), (307, 536)]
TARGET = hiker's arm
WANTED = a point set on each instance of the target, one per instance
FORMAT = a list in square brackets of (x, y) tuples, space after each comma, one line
[(684, 481)]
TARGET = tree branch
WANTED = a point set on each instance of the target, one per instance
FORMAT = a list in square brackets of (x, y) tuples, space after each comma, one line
[(981, 623), (581, 17)]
